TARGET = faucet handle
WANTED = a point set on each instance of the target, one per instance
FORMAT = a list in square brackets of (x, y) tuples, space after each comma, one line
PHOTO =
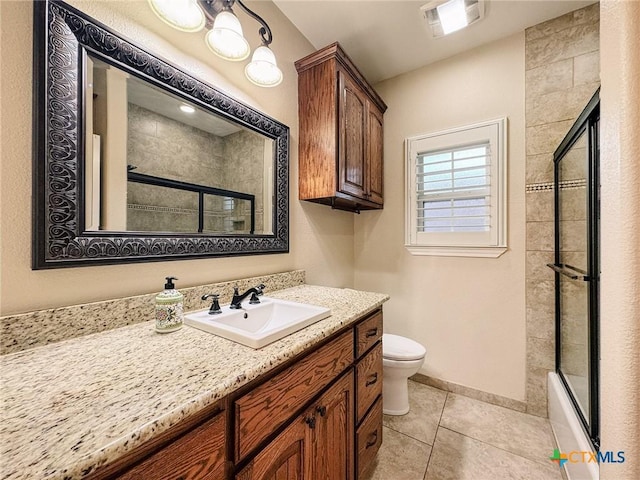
[(260, 287), (215, 305), (254, 298)]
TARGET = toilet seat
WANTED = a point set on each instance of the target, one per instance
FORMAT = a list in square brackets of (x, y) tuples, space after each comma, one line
[(395, 347)]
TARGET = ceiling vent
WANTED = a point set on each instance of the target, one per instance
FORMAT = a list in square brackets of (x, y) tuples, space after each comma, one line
[(448, 16)]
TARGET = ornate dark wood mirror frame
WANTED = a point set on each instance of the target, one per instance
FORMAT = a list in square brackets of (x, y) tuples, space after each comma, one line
[(63, 36)]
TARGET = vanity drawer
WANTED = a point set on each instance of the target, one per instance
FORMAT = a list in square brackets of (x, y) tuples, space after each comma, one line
[(368, 332), (198, 454), (268, 406), (368, 380), (369, 439)]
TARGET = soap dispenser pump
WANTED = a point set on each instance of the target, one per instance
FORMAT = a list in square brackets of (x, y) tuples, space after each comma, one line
[(169, 310)]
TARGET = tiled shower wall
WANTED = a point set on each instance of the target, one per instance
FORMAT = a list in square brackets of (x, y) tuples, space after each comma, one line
[(562, 74)]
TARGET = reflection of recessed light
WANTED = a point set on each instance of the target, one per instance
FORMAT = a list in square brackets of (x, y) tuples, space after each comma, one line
[(187, 109)]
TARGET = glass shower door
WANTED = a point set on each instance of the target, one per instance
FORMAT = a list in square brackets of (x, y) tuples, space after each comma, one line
[(574, 278), (577, 265)]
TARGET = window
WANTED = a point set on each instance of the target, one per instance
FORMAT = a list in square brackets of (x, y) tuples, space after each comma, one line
[(456, 191)]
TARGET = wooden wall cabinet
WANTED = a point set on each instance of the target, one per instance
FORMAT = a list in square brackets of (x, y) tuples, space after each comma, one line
[(341, 133), (319, 416)]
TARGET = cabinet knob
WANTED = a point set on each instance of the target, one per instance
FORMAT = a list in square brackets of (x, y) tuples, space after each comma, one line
[(311, 421), (322, 410)]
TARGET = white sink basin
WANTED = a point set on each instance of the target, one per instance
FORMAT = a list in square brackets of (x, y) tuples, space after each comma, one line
[(258, 325)]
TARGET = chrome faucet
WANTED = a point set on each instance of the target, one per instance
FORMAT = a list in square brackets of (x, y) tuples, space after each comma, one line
[(236, 302)]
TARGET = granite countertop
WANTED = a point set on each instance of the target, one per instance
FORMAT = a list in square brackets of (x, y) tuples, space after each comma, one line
[(76, 405)]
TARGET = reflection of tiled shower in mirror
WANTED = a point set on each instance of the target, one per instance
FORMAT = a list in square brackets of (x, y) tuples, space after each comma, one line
[(143, 133)]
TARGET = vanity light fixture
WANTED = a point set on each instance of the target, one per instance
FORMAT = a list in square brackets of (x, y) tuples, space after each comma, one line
[(182, 15), (225, 37), (187, 109), (448, 16)]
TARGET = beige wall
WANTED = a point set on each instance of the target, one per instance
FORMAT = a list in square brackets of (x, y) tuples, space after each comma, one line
[(321, 239), (620, 201), (468, 312)]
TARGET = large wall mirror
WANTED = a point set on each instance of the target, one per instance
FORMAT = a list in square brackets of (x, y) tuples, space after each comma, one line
[(136, 160)]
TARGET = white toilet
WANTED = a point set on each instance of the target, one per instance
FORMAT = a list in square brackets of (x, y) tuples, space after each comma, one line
[(401, 358)]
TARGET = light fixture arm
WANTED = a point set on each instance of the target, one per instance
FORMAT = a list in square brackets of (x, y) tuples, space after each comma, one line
[(212, 8), (265, 31)]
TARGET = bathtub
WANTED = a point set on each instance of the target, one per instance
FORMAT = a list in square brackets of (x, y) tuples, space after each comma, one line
[(568, 431)]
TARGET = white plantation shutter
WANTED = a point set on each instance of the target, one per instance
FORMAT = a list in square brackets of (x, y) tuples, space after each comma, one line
[(456, 191), (453, 188)]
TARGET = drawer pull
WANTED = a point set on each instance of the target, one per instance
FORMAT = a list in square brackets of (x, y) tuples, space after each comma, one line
[(373, 439), (371, 332), (311, 421), (322, 410), (374, 379)]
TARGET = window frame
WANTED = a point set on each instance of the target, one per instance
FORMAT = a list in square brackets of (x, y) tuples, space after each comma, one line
[(492, 243)]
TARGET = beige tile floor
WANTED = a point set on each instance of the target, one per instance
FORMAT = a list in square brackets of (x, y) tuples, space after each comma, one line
[(446, 436)]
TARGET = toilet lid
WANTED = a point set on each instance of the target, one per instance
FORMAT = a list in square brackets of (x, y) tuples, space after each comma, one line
[(395, 347)]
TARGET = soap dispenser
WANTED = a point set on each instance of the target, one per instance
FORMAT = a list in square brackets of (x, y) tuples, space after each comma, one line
[(169, 311)]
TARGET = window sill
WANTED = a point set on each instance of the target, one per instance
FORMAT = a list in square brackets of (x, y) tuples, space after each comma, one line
[(441, 251)]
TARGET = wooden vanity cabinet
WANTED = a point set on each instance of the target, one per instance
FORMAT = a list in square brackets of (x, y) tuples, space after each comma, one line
[(267, 406), (368, 409), (341, 133), (318, 416), (337, 434), (317, 444)]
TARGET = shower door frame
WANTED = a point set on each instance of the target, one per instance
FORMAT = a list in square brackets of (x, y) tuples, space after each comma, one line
[(587, 122)]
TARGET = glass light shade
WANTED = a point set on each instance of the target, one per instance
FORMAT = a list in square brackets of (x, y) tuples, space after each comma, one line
[(453, 16), (183, 15), (263, 70), (225, 39)]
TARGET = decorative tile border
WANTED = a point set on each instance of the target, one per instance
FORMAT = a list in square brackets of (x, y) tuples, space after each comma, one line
[(186, 211), (157, 208), (34, 329), (548, 186), (539, 187)]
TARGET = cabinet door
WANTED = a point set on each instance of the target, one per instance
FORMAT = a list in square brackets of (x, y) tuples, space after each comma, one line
[(198, 455), (375, 167), (369, 439), (287, 457), (334, 443), (352, 171), (368, 381)]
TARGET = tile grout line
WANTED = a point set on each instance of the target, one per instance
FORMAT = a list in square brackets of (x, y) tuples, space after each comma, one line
[(407, 435), (433, 447), (494, 446), (490, 444)]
